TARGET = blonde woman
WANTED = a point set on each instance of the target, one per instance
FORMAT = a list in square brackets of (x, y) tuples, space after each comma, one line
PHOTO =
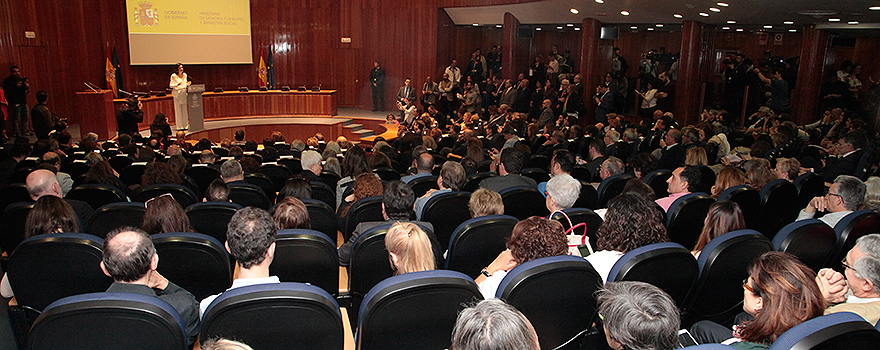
[(409, 248)]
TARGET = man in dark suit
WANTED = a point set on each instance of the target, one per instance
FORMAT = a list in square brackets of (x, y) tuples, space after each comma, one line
[(509, 164), (597, 157), (377, 85), (546, 114), (605, 103), (42, 182), (672, 156), (847, 153), (128, 117), (406, 92)]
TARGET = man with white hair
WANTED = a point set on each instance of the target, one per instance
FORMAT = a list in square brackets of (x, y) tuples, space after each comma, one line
[(311, 165), (42, 182), (845, 195), (610, 167), (856, 290), (562, 192)]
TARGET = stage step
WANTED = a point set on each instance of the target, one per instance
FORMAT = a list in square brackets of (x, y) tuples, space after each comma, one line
[(364, 133)]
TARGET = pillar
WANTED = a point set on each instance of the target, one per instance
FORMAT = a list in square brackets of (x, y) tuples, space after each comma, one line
[(591, 30), (510, 66), (805, 97), (693, 70)]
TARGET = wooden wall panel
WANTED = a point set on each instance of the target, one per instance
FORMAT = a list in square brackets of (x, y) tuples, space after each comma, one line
[(634, 43)]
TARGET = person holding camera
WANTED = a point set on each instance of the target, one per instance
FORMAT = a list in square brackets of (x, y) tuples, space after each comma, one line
[(16, 87), (128, 117)]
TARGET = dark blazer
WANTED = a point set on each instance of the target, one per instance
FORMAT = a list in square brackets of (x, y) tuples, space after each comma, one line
[(499, 183), (672, 157), (835, 166)]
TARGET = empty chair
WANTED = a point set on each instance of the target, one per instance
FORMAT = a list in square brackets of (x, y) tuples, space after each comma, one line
[(657, 180), (840, 330), (475, 243), (387, 174), (211, 218), (131, 175), (13, 193), (809, 186), (717, 294), (563, 313), (414, 308), (12, 229), (588, 197), (114, 215), (123, 320), (577, 216), (277, 173), (685, 217), (194, 261), (97, 195), (445, 212), (203, 176), (306, 256), (324, 193), (748, 199), (849, 229), (262, 181), (778, 207), (249, 196), (538, 174), (367, 209), (182, 194), (321, 217), (291, 163), (611, 187), (421, 185), (522, 202), (811, 240), (668, 266), (472, 182)]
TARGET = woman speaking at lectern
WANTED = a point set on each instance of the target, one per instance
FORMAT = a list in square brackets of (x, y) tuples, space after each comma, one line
[(179, 83)]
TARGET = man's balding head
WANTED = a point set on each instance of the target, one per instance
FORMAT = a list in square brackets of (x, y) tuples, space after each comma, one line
[(128, 255), (425, 163), (42, 182)]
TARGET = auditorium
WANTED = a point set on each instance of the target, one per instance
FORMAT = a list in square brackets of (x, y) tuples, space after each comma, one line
[(439, 174)]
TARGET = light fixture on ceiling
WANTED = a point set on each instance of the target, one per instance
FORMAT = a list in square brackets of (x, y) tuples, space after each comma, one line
[(476, 24), (625, 13), (792, 30), (560, 27), (739, 29), (498, 26), (600, 1), (788, 22), (676, 15), (852, 23), (539, 28), (725, 28), (633, 27), (570, 25), (659, 25), (874, 8), (834, 20), (723, 4), (578, 28), (574, 11), (704, 14), (731, 22), (651, 29), (768, 27), (714, 9)]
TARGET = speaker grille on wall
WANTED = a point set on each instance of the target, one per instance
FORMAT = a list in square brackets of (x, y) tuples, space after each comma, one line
[(609, 33), (525, 32)]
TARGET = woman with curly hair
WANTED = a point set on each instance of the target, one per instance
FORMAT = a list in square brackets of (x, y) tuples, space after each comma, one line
[(780, 293), (530, 239), (365, 185), (631, 222), (160, 173)]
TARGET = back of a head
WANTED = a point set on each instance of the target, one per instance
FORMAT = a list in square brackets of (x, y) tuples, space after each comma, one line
[(231, 169), (425, 162), (724, 216), (206, 157), (614, 166), (565, 159), (867, 266), (564, 189), (398, 199), (636, 186), (51, 215), (41, 182), (127, 254), (513, 160), (453, 175), (250, 233), (297, 186), (485, 202), (632, 221), (639, 316), (224, 344), (291, 213), (535, 238), (851, 190), (410, 248), (164, 214), (354, 162), (493, 325), (217, 191), (693, 176), (310, 158)]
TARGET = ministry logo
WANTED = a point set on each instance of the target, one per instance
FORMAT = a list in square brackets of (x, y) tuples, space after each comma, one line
[(146, 15)]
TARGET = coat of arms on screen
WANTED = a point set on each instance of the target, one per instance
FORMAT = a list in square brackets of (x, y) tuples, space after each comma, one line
[(146, 15)]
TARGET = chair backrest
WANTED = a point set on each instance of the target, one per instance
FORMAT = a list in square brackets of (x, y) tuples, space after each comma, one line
[(685, 217), (262, 181), (472, 182), (124, 320), (324, 193), (276, 316), (669, 266), (539, 161), (211, 218), (113, 215), (131, 175), (581, 172), (291, 163), (850, 228), (75, 168), (13, 193), (723, 262), (476, 242), (14, 220), (45, 268), (839, 330), (811, 240), (707, 179), (182, 194), (321, 217), (445, 212), (777, 207), (611, 187), (588, 197), (710, 347), (387, 174), (203, 175), (560, 315), (329, 178), (366, 209), (809, 186), (414, 308), (657, 181), (369, 263), (306, 256), (421, 185), (97, 195), (538, 174), (194, 261), (277, 173), (522, 202), (577, 216), (748, 199), (119, 162), (249, 196)]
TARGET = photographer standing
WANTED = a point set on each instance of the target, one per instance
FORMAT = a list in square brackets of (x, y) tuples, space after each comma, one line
[(16, 88)]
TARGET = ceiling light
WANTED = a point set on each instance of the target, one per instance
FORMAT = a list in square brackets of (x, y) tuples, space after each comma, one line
[(704, 14), (834, 20), (633, 27), (651, 29), (560, 28), (874, 8), (677, 15), (725, 28), (570, 25), (577, 28), (539, 28), (792, 30), (476, 24), (723, 4), (659, 25), (714, 9), (600, 1), (768, 27), (731, 22), (788, 22), (852, 22), (625, 13), (574, 11), (497, 26), (737, 29)]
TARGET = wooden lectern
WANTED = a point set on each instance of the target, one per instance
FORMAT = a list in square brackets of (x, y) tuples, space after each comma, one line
[(96, 114)]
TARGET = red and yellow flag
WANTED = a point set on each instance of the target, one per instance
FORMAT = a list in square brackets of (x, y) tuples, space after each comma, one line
[(262, 72), (110, 75)]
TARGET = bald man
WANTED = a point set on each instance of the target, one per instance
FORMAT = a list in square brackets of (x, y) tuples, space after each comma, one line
[(42, 182), (424, 164)]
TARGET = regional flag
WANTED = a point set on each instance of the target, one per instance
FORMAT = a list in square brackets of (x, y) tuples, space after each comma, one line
[(110, 75), (262, 72)]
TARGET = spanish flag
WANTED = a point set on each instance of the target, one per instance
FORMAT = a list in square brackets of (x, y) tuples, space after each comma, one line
[(262, 72), (110, 75)]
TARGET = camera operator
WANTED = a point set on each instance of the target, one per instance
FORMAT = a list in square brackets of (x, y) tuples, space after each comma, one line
[(16, 88)]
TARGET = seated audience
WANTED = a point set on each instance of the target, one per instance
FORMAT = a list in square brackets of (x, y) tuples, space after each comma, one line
[(509, 165), (787, 168), (562, 192), (856, 289), (311, 165), (131, 260), (451, 179), (562, 162), (424, 164), (217, 191), (43, 182), (637, 315), (224, 344), (165, 215), (297, 186), (365, 185), (630, 222), (872, 194), (409, 248), (696, 156), (727, 178), (759, 173), (493, 324), (485, 202), (684, 180), (353, 164), (291, 213), (846, 195), (160, 173), (723, 217), (847, 152), (530, 239)]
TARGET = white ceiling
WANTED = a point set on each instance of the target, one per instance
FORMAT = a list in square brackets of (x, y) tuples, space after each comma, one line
[(748, 14)]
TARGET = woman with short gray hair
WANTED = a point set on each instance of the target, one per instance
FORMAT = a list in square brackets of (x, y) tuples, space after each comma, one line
[(493, 324), (638, 316)]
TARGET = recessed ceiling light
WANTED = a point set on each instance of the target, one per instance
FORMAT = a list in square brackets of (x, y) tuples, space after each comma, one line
[(792, 30), (725, 28), (570, 25), (476, 24), (714, 9), (852, 22), (651, 29), (677, 15), (625, 13), (874, 8), (539, 28), (768, 27), (600, 1), (788, 22), (723, 4), (659, 25), (577, 28), (704, 14), (834, 20), (731, 22), (559, 27), (497, 26), (633, 27), (574, 11), (737, 29)]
